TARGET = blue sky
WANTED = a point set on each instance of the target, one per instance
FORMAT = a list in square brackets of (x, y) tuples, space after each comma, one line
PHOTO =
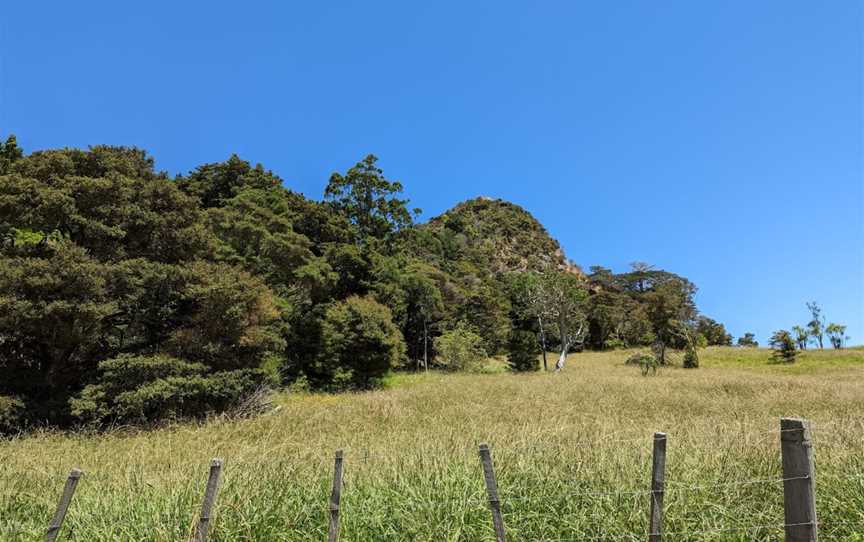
[(719, 140)]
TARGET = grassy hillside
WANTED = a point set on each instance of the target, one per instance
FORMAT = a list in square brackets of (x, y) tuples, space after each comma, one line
[(562, 444)]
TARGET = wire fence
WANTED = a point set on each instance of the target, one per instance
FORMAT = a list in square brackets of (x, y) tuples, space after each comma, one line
[(798, 480)]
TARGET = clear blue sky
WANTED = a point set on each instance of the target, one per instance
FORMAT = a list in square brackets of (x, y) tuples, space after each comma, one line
[(719, 140)]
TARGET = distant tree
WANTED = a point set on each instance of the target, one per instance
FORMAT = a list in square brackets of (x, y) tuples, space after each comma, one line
[(10, 152), (802, 336), (565, 297), (749, 339), (783, 346), (530, 304), (714, 332), (460, 349), (837, 335), (691, 358), (817, 324), (368, 199), (670, 307), (485, 307), (522, 351), (215, 184)]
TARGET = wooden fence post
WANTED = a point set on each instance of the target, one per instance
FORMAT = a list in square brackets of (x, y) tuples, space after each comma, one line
[(63, 506), (658, 481), (492, 490), (203, 526), (799, 494), (335, 497)]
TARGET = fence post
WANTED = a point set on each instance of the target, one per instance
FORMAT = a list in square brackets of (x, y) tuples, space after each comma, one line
[(335, 497), (63, 505), (658, 481), (492, 490), (799, 495), (203, 526)]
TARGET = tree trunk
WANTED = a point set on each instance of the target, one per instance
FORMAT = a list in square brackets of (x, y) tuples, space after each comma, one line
[(563, 357), (543, 342), (425, 347)]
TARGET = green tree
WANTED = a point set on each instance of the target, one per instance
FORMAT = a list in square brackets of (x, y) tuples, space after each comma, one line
[(522, 351), (836, 334), (460, 349), (748, 340), (10, 152), (670, 309), (359, 345), (368, 199), (817, 323), (784, 346), (565, 298), (802, 336), (528, 304), (214, 184), (714, 332)]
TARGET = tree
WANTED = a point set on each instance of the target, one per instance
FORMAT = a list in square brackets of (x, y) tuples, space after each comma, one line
[(670, 308), (214, 184), (837, 335), (748, 340), (359, 345), (522, 351), (564, 297), (529, 304), (817, 324), (368, 199), (10, 152), (783, 346), (802, 336), (460, 349), (423, 306), (714, 332)]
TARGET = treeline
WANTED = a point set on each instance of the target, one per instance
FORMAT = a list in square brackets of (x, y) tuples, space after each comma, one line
[(130, 296)]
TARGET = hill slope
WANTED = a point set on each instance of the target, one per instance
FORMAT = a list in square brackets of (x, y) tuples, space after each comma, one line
[(506, 234)]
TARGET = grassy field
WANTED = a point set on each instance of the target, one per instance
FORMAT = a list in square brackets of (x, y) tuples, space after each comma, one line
[(572, 452)]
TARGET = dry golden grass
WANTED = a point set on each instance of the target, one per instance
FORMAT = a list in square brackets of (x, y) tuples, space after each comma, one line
[(565, 446)]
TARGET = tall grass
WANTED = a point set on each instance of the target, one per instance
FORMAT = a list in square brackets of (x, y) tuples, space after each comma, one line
[(567, 450)]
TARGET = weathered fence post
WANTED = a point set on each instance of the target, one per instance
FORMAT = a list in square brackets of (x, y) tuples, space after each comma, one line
[(799, 495), (63, 505), (492, 490), (335, 497), (203, 526), (658, 481)]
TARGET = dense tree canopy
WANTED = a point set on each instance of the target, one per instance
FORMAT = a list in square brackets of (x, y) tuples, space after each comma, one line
[(126, 295)]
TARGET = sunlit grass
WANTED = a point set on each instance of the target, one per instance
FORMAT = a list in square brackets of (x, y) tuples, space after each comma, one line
[(564, 446)]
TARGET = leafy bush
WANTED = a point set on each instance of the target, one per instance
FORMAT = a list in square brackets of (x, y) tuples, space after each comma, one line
[(359, 345), (151, 388), (460, 349), (784, 346), (691, 358), (523, 350), (647, 362)]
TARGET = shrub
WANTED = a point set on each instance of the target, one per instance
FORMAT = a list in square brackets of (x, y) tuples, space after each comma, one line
[(691, 359), (359, 345), (614, 344), (151, 388), (523, 350), (784, 346), (460, 349), (647, 362)]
